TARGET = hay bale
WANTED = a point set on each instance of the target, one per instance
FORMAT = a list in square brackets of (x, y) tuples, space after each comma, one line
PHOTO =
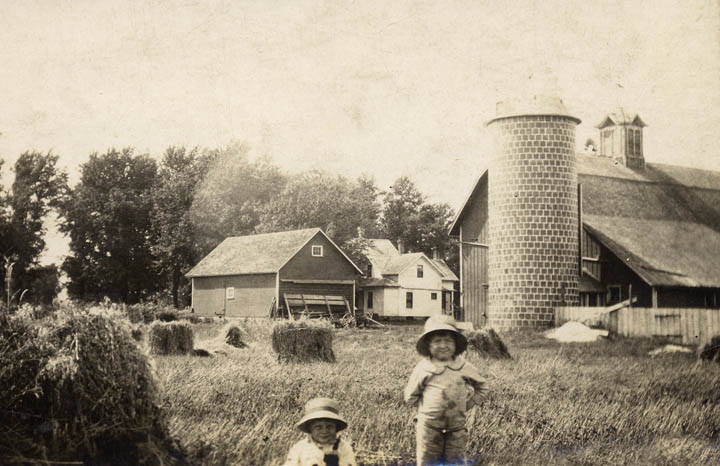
[(171, 338), (711, 351), (77, 388), (486, 342), (303, 340), (234, 336)]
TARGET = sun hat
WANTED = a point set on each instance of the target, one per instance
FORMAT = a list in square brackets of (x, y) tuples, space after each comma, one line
[(437, 324), (321, 408)]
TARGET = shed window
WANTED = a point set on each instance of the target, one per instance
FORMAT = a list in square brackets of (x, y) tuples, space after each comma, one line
[(317, 251), (433, 296), (419, 271), (409, 300), (230, 292), (369, 299)]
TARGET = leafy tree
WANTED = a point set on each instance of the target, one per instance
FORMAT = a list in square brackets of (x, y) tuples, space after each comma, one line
[(317, 199), (39, 186), (175, 247), (108, 220), (401, 213), (421, 226), (356, 250), (229, 200)]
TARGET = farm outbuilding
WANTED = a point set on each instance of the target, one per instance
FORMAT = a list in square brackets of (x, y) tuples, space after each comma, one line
[(646, 231), (248, 276)]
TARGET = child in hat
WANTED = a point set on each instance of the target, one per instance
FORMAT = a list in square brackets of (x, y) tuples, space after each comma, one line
[(322, 446), (444, 387)]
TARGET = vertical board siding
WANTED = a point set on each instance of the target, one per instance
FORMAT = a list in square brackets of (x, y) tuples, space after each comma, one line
[(474, 278), (687, 326)]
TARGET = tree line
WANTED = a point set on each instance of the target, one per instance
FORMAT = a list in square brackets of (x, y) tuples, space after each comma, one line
[(137, 224)]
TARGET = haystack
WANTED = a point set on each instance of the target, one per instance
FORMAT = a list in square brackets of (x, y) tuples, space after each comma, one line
[(77, 388), (234, 337), (486, 342), (171, 338), (711, 351), (303, 340)]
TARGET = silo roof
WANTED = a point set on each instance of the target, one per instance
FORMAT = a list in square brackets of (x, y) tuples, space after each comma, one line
[(538, 105)]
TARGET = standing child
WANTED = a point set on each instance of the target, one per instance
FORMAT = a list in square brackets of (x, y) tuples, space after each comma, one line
[(322, 446), (443, 387)]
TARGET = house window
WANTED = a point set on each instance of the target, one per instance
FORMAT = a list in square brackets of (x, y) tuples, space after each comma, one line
[(419, 271), (409, 300), (368, 270), (317, 251), (230, 292), (369, 299), (433, 296)]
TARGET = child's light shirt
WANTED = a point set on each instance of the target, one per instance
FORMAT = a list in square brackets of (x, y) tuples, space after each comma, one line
[(308, 453), (444, 392)]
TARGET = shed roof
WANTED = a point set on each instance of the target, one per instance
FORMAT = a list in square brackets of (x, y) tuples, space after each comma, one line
[(255, 254)]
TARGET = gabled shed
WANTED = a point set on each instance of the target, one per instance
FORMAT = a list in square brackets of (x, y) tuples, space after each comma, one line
[(246, 276)]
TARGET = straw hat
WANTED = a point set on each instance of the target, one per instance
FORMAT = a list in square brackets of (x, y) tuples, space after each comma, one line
[(321, 408), (436, 324)]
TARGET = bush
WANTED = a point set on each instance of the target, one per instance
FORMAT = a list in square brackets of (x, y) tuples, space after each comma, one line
[(76, 387), (303, 340), (171, 338)]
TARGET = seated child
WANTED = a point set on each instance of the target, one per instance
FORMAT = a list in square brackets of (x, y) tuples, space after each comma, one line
[(443, 387), (322, 446)]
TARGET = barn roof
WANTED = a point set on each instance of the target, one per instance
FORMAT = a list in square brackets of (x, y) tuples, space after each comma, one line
[(254, 254), (663, 220), (662, 252)]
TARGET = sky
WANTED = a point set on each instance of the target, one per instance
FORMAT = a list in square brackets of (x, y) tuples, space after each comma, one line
[(385, 88)]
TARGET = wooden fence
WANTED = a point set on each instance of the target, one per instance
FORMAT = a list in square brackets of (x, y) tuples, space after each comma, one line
[(687, 326)]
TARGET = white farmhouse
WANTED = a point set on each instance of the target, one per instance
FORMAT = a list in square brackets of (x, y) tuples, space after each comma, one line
[(405, 285)]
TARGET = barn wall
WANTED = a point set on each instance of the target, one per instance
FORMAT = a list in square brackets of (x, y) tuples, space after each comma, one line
[(474, 263), (475, 220), (332, 266), (252, 295)]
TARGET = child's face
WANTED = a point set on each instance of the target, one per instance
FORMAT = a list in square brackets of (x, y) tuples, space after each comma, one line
[(442, 346), (323, 431)]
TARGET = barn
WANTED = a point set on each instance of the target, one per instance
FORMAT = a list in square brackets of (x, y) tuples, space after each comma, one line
[(628, 228), (247, 276)]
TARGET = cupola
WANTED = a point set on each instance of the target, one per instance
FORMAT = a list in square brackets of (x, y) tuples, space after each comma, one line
[(621, 137)]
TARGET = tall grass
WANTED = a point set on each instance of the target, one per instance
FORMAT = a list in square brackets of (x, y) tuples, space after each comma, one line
[(586, 403)]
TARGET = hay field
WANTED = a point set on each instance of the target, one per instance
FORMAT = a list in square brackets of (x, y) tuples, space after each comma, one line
[(584, 403)]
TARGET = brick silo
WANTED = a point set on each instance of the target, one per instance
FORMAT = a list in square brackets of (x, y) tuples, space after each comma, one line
[(533, 213)]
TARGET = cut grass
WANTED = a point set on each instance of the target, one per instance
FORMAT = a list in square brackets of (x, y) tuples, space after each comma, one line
[(605, 402)]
